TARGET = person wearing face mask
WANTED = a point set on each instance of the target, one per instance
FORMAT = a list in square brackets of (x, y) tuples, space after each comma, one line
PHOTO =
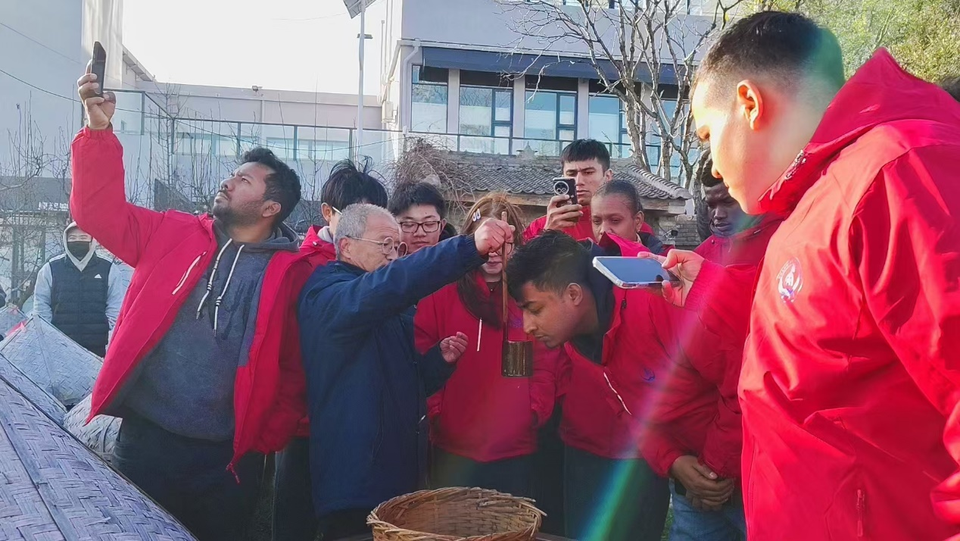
[(483, 425), (79, 292)]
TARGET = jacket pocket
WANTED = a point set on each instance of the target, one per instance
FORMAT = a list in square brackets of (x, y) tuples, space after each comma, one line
[(846, 516)]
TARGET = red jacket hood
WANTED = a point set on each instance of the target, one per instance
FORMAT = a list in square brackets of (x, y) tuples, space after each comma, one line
[(894, 95), (315, 245)]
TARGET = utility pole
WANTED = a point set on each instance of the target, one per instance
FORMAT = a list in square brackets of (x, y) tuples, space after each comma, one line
[(359, 7)]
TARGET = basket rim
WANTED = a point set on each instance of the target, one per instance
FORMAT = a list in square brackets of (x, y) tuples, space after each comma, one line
[(527, 508)]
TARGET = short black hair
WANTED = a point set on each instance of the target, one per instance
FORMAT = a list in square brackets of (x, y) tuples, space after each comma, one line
[(625, 189), (409, 194), (707, 180), (283, 185), (952, 86), (551, 261), (583, 150), (348, 185), (775, 43)]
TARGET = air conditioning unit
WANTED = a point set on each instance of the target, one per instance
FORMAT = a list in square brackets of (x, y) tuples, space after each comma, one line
[(388, 112)]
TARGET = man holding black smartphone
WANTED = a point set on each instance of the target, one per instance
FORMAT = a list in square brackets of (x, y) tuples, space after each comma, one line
[(204, 364), (587, 163)]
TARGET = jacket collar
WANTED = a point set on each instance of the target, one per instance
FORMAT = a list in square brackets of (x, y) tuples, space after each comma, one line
[(880, 92)]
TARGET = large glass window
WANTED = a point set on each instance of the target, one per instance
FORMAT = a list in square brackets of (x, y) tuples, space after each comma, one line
[(551, 119), (609, 124), (488, 114), (654, 142), (279, 139), (429, 101), (322, 144), (129, 115)]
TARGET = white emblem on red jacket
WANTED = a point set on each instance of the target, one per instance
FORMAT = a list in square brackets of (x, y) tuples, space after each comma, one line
[(790, 280)]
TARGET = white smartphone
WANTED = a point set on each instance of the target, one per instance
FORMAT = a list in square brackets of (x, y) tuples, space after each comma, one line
[(633, 272)]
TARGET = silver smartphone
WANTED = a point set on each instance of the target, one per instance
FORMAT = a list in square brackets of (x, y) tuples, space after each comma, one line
[(633, 272)]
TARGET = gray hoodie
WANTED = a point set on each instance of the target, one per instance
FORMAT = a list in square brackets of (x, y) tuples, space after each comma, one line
[(185, 385)]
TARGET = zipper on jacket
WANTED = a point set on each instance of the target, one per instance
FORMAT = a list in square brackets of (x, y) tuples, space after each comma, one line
[(861, 505), (800, 160), (186, 275), (620, 398)]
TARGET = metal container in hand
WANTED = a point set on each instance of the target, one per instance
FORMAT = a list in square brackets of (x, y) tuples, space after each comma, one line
[(517, 359)]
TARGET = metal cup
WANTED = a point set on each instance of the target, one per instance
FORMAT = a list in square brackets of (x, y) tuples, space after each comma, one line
[(517, 361)]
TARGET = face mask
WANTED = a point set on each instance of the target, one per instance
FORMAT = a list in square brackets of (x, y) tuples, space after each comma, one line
[(78, 248)]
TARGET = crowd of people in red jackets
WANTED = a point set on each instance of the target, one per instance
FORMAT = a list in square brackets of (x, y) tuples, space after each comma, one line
[(801, 380)]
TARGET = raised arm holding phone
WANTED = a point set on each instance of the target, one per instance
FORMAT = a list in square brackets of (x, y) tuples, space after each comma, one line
[(210, 305)]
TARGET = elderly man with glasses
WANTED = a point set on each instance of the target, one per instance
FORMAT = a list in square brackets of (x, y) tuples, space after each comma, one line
[(367, 384)]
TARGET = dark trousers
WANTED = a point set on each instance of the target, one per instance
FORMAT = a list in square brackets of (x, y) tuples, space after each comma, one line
[(293, 516), (511, 475), (548, 475), (189, 478), (613, 500), (345, 523)]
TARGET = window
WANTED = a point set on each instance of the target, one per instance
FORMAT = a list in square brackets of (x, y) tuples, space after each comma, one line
[(654, 142), (279, 139), (129, 115), (322, 144), (487, 113), (551, 118), (608, 124), (429, 100)]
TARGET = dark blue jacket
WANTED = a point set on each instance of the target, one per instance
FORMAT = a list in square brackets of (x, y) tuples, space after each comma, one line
[(366, 383)]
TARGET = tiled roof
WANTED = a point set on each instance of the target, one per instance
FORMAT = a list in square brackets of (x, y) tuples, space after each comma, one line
[(533, 176)]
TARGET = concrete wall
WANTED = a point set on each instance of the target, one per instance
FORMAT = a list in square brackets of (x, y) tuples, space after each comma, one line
[(264, 105), (515, 25)]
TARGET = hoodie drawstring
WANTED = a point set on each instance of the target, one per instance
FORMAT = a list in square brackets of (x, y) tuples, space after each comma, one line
[(216, 309), (216, 265)]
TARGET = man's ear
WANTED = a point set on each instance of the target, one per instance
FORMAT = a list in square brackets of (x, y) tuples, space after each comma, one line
[(638, 221), (574, 293), (750, 103), (327, 212), (270, 209), (608, 175), (343, 249)]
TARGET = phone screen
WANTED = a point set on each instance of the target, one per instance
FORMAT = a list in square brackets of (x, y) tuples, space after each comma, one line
[(633, 272)]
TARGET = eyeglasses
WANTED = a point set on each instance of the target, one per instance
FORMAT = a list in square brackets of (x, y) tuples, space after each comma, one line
[(387, 246), (428, 227)]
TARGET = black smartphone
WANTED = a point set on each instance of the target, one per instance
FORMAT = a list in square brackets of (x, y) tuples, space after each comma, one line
[(99, 65), (633, 272), (566, 186)]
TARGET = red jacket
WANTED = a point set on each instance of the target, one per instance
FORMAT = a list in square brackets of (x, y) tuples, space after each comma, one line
[(582, 231), (711, 370), (318, 252), (851, 375), (169, 252), (479, 413), (606, 406)]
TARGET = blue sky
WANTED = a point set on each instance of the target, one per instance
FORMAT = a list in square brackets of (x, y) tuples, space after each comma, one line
[(308, 45)]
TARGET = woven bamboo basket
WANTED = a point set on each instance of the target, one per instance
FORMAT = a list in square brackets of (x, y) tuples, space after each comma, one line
[(456, 514), (57, 364)]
